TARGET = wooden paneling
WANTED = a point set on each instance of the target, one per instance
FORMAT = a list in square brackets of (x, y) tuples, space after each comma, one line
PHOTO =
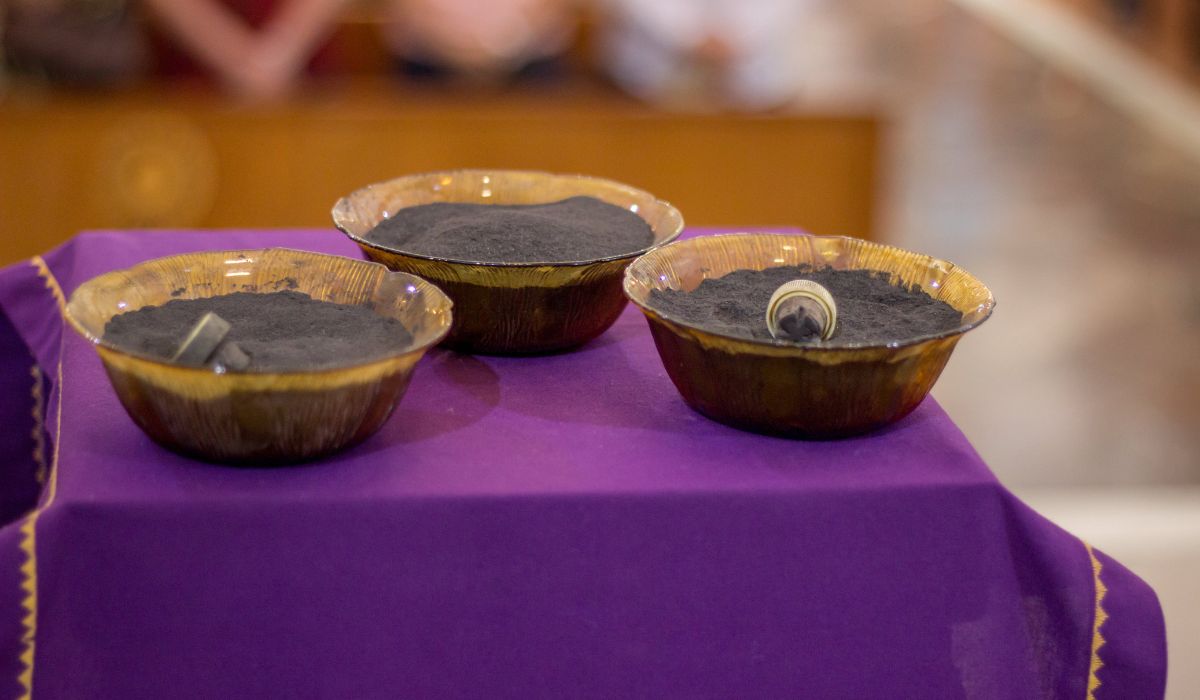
[(165, 158)]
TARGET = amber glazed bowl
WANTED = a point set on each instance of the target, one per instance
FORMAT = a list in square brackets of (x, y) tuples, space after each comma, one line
[(511, 308), (783, 388), (252, 417)]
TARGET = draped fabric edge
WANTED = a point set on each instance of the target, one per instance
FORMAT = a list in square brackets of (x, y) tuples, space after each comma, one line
[(28, 529)]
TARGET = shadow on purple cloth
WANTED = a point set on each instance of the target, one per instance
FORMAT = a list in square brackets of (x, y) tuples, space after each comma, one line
[(21, 419), (11, 613)]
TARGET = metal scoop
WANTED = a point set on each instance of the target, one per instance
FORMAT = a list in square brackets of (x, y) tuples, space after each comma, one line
[(802, 310), (206, 345)]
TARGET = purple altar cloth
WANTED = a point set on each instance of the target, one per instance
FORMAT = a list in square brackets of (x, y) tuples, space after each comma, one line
[(560, 526)]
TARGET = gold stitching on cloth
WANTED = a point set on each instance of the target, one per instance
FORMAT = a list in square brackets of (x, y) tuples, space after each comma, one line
[(1098, 619), (39, 425), (28, 528), (44, 272), (29, 567)]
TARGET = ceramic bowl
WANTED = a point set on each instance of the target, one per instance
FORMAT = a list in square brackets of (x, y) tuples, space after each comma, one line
[(253, 417), (511, 308), (783, 388)]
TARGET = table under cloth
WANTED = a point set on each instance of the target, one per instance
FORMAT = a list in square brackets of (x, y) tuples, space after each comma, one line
[(560, 526)]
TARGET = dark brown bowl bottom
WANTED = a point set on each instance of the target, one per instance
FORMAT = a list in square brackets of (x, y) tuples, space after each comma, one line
[(268, 428), (794, 397), (520, 310), (531, 320)]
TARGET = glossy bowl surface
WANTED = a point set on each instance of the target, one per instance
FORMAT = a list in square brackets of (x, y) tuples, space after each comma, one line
[(511, 308), (258, 417), (806, 391)]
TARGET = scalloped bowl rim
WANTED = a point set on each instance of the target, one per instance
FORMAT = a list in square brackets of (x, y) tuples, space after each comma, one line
[(343, 201), (988, 306), (77, 325)]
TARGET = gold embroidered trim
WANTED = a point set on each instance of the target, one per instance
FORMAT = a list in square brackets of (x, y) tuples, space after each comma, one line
[(39, 425), (28, 604), (44, 272), (29, 566), (1098, 619), (28, 528)]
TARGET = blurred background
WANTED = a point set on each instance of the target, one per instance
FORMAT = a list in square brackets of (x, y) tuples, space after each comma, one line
[(1049, 146)]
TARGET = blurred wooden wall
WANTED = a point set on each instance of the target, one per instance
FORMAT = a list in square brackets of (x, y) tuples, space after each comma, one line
[(169, 157)]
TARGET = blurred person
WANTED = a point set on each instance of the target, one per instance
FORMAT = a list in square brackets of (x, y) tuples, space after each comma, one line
[(95, 43), (257, 48), (729, 53), (261, 47), (482, 40)]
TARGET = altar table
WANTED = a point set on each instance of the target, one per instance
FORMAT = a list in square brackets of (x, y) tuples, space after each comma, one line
[(560, 526)]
